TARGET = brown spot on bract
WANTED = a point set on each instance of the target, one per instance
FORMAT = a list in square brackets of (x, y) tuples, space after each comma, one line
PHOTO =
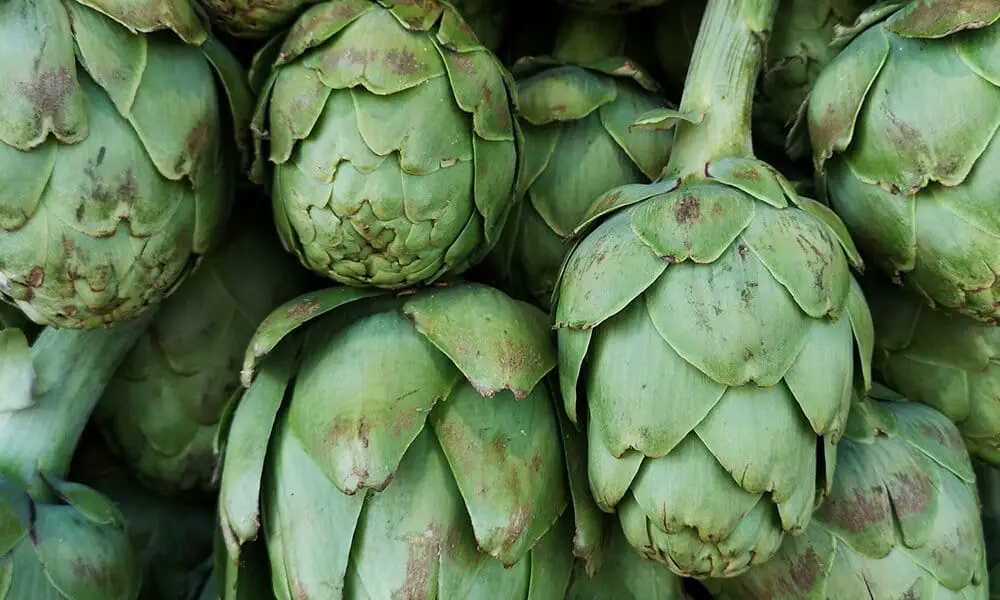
[(854, 512), (302, 310), (423, 554), (36, 277), (911, 493), (402, 62), (743, 252), (517, 525), (48, 92), (687, 210)]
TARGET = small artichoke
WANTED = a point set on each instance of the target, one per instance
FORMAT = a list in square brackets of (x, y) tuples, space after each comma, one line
[(116, 161), (161, 410), (392, 141), (949, 362), (578, 143), (903, 125), (901, 521), (411, 442)]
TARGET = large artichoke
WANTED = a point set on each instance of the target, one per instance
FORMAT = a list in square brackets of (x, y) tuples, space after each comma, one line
[(711, 321), (116, 154), (903, 124), (399, 446), (392, 140), (949, 362), (161, 410), (576, 113), (902, 519)]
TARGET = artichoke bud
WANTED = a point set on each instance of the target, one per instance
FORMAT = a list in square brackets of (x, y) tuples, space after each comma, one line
[(160, 411), (64, 540), (915, 182), (576, 114), (391, 141), (413, 438), (117, 166), (902, 518), (946, 361)]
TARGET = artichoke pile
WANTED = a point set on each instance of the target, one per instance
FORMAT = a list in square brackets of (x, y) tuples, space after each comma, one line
[(449, 299)]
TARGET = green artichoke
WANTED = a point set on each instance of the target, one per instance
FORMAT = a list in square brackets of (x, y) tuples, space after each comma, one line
[(576, 116), (988, 483), (409, 441), (62, 540), (902, 519), (903, 125), (710, 320), (392, 139), (253, 19), (116, 154), (949, 362), (161, 410), (800, 47)]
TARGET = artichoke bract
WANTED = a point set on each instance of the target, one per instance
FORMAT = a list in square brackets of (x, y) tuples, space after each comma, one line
[(915, 180), (948, 361), (160, 412), (411, 442), (624, 575), (902, 519), (712, 325), (392, 141), (576, 114), (116, 152)]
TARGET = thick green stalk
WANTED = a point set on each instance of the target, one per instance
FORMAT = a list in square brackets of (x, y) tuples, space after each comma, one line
[(727, 59), (72, 368), (586, 38)]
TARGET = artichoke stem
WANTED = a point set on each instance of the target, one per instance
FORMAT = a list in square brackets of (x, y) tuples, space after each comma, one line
[(585, 38), (72, 368), (727, 59)]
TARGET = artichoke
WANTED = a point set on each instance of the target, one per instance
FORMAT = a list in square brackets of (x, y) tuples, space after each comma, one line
[(161, 410), (949, 362), (988, 483), (576, 112), (116, 154), (393, 144), (409, 441), (62, 540), (911, 176), (901, 521), (800, 47), (710, 320)]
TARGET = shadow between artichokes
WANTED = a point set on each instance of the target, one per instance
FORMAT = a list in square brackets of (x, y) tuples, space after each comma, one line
[(901, 520), (399, 445), (914, 179), (118, 163), (712, 326), (391, 141)]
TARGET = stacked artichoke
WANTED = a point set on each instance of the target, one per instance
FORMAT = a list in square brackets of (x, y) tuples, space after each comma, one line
[(570, 299)]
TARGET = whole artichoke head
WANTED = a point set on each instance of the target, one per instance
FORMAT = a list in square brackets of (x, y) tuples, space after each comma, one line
[(711, 324), (579, 142), (913, 177), (901, 521), (948, 361), (392, 142), (414, 446), (161, 410), (116, 154)]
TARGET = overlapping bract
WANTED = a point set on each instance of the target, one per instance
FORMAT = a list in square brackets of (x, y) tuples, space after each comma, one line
[(711, 325), (901, 520), (392, 142), (904, 123), (949, 362), (415, 449), (161, 410), (116, 158), (73, 546), (578, 143)]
